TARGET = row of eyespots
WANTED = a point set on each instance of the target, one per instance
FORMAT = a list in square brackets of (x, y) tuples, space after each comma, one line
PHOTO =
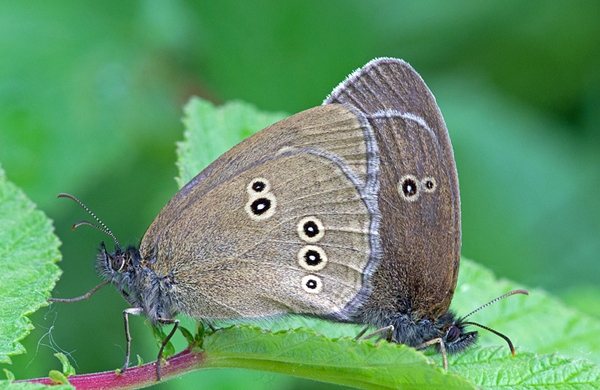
[(261, 201), (261, 205), (410, 187), (311, 257)]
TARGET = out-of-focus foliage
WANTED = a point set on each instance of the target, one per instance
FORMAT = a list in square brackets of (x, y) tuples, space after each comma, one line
[(91, 96)]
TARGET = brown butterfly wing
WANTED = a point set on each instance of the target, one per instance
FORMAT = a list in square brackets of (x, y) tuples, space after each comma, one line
[(234, 239), (419, 196)]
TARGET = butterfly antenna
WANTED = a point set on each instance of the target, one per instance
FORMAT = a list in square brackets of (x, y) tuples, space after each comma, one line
[(510, 344), (102, 227), (495, 300)]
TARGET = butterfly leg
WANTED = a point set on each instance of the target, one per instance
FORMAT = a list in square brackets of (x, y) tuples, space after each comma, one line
[(381, 331), (437, 340), (80, 298), (165, 321), (133, 311), (210, 325), (358, 336)]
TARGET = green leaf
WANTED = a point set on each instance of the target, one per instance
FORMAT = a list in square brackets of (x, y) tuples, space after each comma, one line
[(584, 298), (493, 368), (58, 377), (28, 253), (159, 337), (343, 361), (536, 322), (68, 369), (188, 336), (489, 365)]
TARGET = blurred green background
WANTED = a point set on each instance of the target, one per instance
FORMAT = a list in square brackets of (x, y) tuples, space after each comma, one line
[(91, 97)]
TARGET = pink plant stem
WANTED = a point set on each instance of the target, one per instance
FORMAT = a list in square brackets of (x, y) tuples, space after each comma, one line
[(134, 377)]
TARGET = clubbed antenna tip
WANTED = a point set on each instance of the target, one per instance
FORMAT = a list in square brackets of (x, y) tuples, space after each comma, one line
[(102, 227)]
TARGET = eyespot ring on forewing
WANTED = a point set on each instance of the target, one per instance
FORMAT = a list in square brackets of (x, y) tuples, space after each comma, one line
[(261, 206), (258, 185)]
